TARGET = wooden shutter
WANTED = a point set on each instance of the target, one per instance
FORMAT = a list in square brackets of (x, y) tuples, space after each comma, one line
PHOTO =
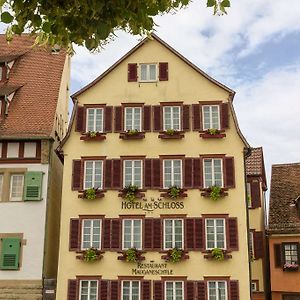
[(104, 290), (114, 290), (106, 233), (116, 173), (163, 71), (146, 290), (158, 290), (186, 117), (80, 116), (108, 119), (233, 240), (224, 116), (197, 173), (118, 120), (74, 242), (132, 72), (157, 234), (108, 174), (201, 291), (229, 172), (188, 173), (258, 244), (156, 182), (33, 186), (255, 194), (148, 234), (10, 253), (157, 118), (148, 173), (196, 117), (278, 261), (190, 233), (190, 290), (72, 289), (199, 234), (234, 290), (76, 175), (147, 118), (115, 233)]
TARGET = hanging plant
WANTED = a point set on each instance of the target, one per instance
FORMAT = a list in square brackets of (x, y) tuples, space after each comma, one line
[(90, 255), (90, 193), (174, 255), (217, 254), (131, 255), (174, 192), (130, 192), (215, 192)]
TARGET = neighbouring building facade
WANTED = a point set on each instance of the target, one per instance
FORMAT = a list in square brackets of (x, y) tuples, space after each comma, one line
[(284, 232), (33, 119), (256, 188), (154, 200)]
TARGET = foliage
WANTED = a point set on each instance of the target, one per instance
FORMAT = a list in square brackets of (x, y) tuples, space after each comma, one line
[(92, 134), (249, 201), (217, 254), (90, 193), (91, 254), (132, 132), (174, 192), (213, 131), (219, 6), (175, 255), (215, 192), (132, 255), (130, 192), (171, 131)]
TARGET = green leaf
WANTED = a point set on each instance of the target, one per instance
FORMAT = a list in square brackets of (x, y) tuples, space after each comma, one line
[(46, 27), (225, 3), (6, 17), (211, 3)]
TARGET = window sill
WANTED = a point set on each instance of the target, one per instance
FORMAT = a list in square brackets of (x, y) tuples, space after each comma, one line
[(139, 256), (206, 192), (81, 256), (291, 269), (167, 258), (175, 135), (99, 137), (136, 136), (99, 194), (208, 255), (165, 194), (212, 136)]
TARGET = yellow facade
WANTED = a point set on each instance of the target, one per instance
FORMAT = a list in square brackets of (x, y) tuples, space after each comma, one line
[(184, 84)]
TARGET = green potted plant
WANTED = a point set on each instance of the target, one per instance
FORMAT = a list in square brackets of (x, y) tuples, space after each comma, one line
[(131, 255), (90, 255), (92, 134), (217, 254), (131, 132), (90, 193), (171, 131), (174, 192), (213, 131), (215, 192), (175, 255), (129, 192)]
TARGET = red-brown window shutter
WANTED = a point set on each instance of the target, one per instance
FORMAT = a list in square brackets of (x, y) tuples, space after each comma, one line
[(258, 244), (278, 255), (74, 242), (148, 173), (76, 175), (255, 194), (106, 234), (229, 172), (80, 116), (157, 118), (158, 290), (186, 118), (132, 72), (72, 289), (196, 117), (116, 173), (146, 290), (114, 290), (188, 173), (147, 118), (157, 238), (104, 289), (115, 233), (108, 119), (118, 120), (233, 240), (199, 234), (190, 290), (201, 290), (234, 290), (190, 233), (156, 182), (163, 71), (107, 174), (197, 173), (148, 234), (224, 116)]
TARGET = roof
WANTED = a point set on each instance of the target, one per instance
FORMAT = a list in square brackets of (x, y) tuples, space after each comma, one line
[(37, 74), (285, 189), (139, 45), (6, 90)]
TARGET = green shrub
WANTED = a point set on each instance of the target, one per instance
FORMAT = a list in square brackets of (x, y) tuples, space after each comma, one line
[(174, 192), (130, 192), (215, 192), (217, 254), (175, 255), (132, 132), (213, 131), (171, 131), (90, 193), (90, 255), (92, 134), (132, 255)]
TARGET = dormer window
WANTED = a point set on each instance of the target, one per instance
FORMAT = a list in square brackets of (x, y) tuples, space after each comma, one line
[(148, 72)]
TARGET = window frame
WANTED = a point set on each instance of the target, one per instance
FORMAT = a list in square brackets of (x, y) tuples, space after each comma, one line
[(94, 121), (133, 160), (215, 233), (284, 252), (172, 172), (133, 108), (172, 117), (217, 281), (210, 116), (148, 72), (1, 185), (89, 286), (131, 233), (174, 288), (251, 243), (213, 172), (18, 199), (93, 175), (173, 233), (130, 288), (92, 232), (248, 193)]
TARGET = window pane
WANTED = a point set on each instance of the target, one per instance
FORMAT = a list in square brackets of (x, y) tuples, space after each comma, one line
[(1, 182), (208, 173), (152, 72), (143, 72), (99, 120), (16, 187), (137, 119)]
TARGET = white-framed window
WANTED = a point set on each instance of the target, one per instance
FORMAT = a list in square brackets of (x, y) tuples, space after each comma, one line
[(16, 187), (174, 290), (172, 169), (133, 170), (213, 172), (291, 253), (88, 290), (94, 119), (251, 244), (132, 234), (91, 233), (217, 290), (131, 290), (93, 174), (173, 234), (1, 186), (215, 233), (172, 117), (248, 190), (211, 117), (254, 286), (148, 72), (133, 118), (29, 149)]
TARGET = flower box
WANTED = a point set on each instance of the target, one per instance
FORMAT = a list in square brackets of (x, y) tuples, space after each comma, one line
[(131, 193), (174, 193), (212, 136), (175, 255), (290, 267), (131, 255), (93, 136), (90, 255), (171, 134), (91, 194), (214, 192), (217, 254), (132, 135)]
